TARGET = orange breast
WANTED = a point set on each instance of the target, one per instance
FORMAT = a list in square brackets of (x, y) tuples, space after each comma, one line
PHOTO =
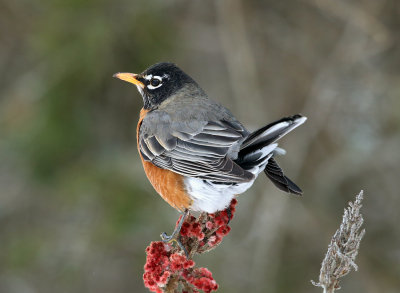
[(167, 183)]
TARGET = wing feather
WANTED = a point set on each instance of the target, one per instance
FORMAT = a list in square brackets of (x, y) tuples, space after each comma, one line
[(201, 150)]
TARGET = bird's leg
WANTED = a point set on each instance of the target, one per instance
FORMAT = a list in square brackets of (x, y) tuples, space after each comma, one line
[(175, 236), (229, 212)]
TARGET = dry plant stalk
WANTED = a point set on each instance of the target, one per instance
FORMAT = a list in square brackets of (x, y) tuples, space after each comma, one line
[(343, 249)]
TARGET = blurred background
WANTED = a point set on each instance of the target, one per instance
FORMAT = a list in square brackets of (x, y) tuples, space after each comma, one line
[(76, 211)]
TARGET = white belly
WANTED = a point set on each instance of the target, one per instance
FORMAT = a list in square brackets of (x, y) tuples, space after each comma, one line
[(209, 197)]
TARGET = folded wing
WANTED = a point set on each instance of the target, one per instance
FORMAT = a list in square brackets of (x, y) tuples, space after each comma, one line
[(199, 149)]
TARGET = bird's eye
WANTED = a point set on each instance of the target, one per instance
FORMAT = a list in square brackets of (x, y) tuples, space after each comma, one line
[(155, 82)]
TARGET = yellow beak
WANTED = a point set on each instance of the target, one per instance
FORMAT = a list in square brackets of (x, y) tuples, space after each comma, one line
[(129, 77)]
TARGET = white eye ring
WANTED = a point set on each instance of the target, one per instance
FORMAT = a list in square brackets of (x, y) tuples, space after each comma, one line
[(150, 78)]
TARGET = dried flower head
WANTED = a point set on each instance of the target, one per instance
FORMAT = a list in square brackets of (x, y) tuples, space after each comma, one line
[(343, 249)]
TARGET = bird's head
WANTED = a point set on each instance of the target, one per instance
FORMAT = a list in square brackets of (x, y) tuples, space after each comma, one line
[(157, 83)]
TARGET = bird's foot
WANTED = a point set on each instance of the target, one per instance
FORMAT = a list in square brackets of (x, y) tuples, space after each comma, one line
[(175, 236)]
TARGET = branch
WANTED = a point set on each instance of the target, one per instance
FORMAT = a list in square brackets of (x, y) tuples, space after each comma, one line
[(343, 249)]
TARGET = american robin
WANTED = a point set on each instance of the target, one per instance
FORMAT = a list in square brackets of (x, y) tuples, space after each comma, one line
[(195, 153)]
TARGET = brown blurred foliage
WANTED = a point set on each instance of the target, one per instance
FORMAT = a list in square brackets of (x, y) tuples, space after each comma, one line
[(76, 211)]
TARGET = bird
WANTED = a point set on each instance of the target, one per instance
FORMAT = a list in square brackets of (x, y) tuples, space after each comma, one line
[(194, 151)]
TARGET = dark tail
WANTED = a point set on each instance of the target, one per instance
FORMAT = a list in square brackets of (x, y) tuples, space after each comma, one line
[(259, 147), (276, 175)]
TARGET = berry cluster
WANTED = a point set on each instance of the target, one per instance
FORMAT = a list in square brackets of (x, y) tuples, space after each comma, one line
[(201, 278), (204, 233), (167, 267)]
